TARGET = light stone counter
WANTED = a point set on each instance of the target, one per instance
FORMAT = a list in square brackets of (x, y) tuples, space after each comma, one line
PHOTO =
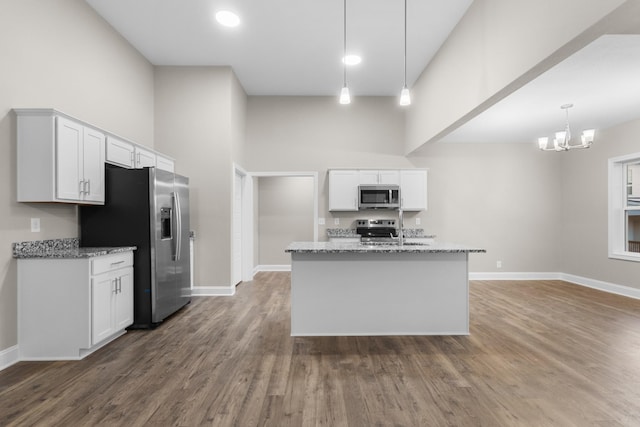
[(339, 247), (67, 248)]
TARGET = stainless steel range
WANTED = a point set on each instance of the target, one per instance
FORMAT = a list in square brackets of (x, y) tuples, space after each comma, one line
[(377, 230)]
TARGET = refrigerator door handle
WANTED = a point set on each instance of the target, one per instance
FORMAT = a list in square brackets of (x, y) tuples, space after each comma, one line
[(178, 233)]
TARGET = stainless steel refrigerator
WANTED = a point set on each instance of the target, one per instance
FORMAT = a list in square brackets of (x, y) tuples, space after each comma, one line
[(147, 208)]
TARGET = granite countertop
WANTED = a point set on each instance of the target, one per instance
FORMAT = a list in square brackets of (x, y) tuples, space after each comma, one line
[(342, 232), (351, 232), (62, 249), (336, 247)]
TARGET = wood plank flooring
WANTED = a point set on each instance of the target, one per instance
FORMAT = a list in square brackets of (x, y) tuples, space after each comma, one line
[(540, 353)]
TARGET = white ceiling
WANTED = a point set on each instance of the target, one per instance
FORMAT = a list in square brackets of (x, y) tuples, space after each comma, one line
[(294, 47), (291, 47), (602, 81)]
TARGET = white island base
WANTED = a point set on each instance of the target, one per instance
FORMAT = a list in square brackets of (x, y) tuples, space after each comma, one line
[(379, 293)]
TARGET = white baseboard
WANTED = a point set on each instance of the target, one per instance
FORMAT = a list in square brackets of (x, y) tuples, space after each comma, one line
[(515, 276), (9, 356), (212, 291), (611, 288), (272, 267)]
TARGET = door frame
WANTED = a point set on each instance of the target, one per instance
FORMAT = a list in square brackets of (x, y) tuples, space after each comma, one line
[(247, 214)]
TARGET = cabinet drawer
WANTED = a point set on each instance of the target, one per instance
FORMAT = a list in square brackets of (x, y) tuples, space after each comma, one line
[(111, 262)]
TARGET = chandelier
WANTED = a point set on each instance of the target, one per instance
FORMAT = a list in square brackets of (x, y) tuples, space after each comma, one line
[(562, 140)]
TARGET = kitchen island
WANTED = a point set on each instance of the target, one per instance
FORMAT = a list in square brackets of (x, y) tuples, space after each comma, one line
[(391, 289)]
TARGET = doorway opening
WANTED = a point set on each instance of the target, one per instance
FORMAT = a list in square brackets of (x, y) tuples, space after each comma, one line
[(284, 205)]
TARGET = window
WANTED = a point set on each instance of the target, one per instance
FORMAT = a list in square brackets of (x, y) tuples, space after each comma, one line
[(624, 207)]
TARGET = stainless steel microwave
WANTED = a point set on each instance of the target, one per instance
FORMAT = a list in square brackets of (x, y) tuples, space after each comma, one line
[(378, 196)]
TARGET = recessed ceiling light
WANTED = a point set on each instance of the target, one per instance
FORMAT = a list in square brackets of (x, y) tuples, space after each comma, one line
[(228, 18), (352, 60)]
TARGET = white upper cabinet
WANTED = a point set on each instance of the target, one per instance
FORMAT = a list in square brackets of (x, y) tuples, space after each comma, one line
[(93, 165), (132, 156), (165, 163), (62, 159), (58, 159), (69, 136), (385, 176), (79, 162), (343, 190), (144, 158), (413, 189), (343, 186), (119, 152)]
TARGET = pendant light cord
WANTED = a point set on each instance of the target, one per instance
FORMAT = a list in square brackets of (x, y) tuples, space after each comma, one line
[(344, 59), (405, 43)]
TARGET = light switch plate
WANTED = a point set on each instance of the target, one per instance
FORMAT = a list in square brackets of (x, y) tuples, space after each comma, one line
[(35, 225), (336, 221), (417, 221), (320, 221)]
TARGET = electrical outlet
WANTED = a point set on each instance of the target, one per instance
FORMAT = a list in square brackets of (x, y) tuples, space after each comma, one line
[(35, 225), (320, 221), (498, 264), (336, 221), (418, 221)]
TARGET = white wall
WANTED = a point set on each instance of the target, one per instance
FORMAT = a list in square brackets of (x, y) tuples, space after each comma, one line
[(285, 215), (316, 133), (60, 54), (200, 121), (584, 207), (500, 197)]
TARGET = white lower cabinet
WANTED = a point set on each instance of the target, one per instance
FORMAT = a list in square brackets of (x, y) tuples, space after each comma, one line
[(68, 308), (111, 302)]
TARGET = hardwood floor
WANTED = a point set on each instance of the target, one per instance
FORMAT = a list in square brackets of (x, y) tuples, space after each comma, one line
[(543, 353)]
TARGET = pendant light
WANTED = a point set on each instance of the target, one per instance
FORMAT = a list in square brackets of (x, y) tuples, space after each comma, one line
[(345, 98), (405, 96)]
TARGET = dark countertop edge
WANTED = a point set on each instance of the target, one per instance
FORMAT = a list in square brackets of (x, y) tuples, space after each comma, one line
[(75, 253)]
